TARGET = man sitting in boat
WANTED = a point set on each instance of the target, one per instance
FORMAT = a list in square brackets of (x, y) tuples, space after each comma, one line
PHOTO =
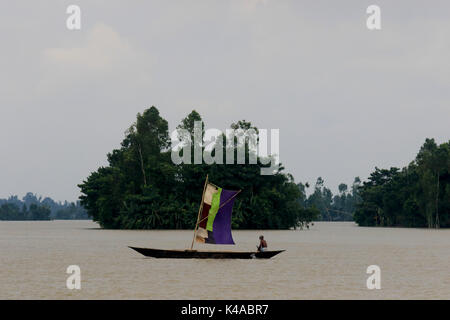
[(262, 244)]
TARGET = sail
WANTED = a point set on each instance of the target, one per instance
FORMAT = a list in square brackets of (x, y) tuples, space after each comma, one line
[(215, 219)]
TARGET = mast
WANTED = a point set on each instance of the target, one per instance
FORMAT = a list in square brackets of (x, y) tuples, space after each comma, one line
[(199, 211)]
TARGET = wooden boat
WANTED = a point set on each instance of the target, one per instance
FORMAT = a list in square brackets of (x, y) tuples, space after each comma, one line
[(213, 227), (194, 254)]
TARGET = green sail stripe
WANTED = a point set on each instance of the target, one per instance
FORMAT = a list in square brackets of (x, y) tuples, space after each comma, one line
[(215, 203)]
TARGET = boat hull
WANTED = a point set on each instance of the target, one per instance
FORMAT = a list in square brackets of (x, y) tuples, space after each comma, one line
[(193, 254)]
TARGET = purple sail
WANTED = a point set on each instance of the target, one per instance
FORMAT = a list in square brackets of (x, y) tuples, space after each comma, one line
[(219, 222)]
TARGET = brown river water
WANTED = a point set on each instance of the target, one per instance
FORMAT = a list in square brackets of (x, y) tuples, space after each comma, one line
[(328, 261)]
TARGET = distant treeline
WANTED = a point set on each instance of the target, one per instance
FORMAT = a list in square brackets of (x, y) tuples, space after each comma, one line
[(415, 196), (339, 207), (32, 207)]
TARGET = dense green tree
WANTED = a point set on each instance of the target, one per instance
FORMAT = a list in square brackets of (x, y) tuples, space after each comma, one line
[(143, 188), (415, 196)]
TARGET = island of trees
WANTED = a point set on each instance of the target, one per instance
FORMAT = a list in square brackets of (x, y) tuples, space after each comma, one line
[(417, 195), (32, 207)]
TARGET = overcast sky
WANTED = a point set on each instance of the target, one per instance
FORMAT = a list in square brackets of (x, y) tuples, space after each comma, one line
[(346, 99)]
